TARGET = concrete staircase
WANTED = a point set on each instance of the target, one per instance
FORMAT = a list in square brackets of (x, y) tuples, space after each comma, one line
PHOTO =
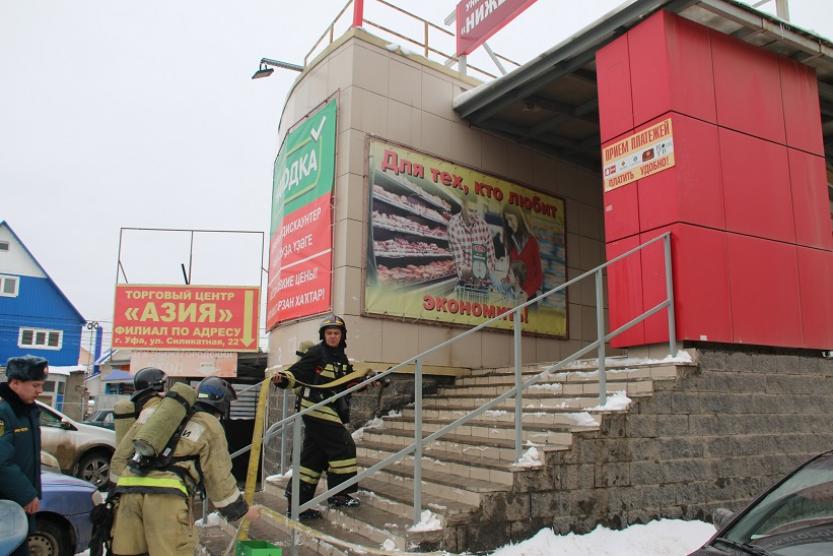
[(465, 472)]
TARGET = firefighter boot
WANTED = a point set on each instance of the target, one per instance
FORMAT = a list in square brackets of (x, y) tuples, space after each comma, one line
[(343, 501)]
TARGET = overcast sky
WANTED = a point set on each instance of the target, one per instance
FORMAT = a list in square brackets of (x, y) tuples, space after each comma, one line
[(143, 114)]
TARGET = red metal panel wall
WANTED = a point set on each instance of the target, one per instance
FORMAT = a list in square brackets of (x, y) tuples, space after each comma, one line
[(763, 287), (756, 180), (621, 208), (692, 190), (624, 285), (701, 284), (671, 69), (802, 118), (808, 181), (613, 78), (815, 273), (747, 87)]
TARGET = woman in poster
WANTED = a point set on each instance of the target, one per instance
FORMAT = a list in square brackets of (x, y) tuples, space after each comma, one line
[(521, 246)]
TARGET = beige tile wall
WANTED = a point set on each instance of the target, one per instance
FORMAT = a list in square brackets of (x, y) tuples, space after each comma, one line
[(385, 94)]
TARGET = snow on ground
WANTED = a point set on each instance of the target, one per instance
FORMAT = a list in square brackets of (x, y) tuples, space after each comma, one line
[(616, 401), (530, 458), (429, 521), (681, 356), (581, 419), (214, 519), (665, 537)]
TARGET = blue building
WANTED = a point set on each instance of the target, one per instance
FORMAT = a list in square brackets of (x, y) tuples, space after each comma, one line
[(35, 315)]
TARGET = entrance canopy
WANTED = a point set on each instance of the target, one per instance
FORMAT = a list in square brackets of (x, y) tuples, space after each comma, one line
[(551, 102)]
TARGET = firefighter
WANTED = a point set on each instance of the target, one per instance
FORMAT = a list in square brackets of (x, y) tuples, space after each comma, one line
[(328, 446), (153, 514), (148, 384)]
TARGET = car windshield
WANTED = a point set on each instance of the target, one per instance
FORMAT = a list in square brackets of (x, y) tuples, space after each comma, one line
[(796, 518)]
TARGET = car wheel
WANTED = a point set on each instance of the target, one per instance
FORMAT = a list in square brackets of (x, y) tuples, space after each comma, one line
[(95, 468), (49, 539)]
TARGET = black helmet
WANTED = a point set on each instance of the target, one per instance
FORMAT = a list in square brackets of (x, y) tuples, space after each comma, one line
[(333, 321), (149, 379), (217, 394)]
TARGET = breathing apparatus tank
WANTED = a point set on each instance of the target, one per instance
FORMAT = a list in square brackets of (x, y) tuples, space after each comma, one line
[(124, 415), (152, 438)]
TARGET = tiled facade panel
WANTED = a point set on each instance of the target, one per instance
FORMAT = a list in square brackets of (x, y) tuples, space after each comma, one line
[(692, 190), (808, 182), (746, 201), (756, 183), (747, 86), (701, 284), (671, 69), (764, 292), (802, 118), (614, 84), (815, 276), (624, 279)]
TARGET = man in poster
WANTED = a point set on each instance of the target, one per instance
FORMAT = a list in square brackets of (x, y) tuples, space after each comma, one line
[(471, 245)]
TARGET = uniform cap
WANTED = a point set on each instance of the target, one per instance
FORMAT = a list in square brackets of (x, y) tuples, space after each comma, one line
[(27, 368)]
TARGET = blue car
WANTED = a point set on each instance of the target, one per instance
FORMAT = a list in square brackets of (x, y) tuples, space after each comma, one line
[(63, 522)]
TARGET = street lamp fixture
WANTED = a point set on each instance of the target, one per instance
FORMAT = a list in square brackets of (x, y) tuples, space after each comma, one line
[(266, 71)]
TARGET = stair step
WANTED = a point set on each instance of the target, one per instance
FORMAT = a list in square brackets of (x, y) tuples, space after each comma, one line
[(544, 418), (491, 448), (531, 403), (551, 389), (484, 428), (452, 464)]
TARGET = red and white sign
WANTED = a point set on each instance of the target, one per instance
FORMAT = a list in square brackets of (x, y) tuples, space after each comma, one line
[(300, 263), (477, 20), (186, 318)]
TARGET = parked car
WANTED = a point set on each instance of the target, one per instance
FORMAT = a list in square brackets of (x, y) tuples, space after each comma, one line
[(793, 518), (63, 524), (101, 418), (83, 451)]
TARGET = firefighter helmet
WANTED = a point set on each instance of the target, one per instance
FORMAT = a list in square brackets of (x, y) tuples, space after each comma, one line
[(333, 321), (216, 394), (149, 378)]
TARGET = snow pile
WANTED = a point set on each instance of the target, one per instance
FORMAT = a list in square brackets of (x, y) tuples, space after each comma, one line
[(375, 423), (553, 387), (681, 356), (495, 412), (617, 401), (276, 479), (214, 519), (530, 458), (666, 537), (428, 521), (396, 47), (389, 545), (581, 419)]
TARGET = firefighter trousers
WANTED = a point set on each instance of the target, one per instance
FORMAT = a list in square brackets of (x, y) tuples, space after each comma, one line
[(327, 447), (155, 524)]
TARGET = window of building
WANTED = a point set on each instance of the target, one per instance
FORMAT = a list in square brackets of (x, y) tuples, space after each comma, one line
[(9, 285), (40, 338), (4, 245)]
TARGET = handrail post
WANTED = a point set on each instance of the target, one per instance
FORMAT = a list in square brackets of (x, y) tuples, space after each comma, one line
[(284, 412), (669, 293), (600, 336), (426, 38), (358, 13), (519, 393), (418, 440), (296, 480)]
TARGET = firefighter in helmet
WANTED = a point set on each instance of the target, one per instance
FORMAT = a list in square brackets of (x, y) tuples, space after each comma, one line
[(148, 388), (328, 446), (153, 514)]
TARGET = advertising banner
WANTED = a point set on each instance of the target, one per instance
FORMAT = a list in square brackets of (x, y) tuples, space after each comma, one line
[(186, 363), (639, 155), (448, 243), (477, 20), (301, 239), (186, 318)]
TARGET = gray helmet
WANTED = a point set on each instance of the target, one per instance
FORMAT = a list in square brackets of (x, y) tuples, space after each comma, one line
[(149, 379), (216, 394)]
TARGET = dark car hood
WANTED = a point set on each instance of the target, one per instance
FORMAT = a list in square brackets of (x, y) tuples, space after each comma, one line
[(50, 478)]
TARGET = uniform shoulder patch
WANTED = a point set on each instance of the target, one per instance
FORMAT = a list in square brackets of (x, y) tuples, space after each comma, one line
[(193, 430)]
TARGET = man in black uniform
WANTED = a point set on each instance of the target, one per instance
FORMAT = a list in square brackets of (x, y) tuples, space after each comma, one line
[(327, 443), (20, 436)]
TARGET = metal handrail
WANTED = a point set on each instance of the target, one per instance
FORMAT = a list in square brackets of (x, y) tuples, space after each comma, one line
[(517, 390)]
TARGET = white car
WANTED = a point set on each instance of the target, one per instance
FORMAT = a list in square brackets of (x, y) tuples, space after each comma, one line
[(81, 450)]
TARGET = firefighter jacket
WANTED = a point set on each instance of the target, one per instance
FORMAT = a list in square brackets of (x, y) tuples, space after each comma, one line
[(318, 366), (19, 448), (140, 405), (201, 460)]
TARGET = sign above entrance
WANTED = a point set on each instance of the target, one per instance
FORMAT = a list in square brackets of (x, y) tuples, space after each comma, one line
[(186, 318), (477, 20), (638, 155)]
